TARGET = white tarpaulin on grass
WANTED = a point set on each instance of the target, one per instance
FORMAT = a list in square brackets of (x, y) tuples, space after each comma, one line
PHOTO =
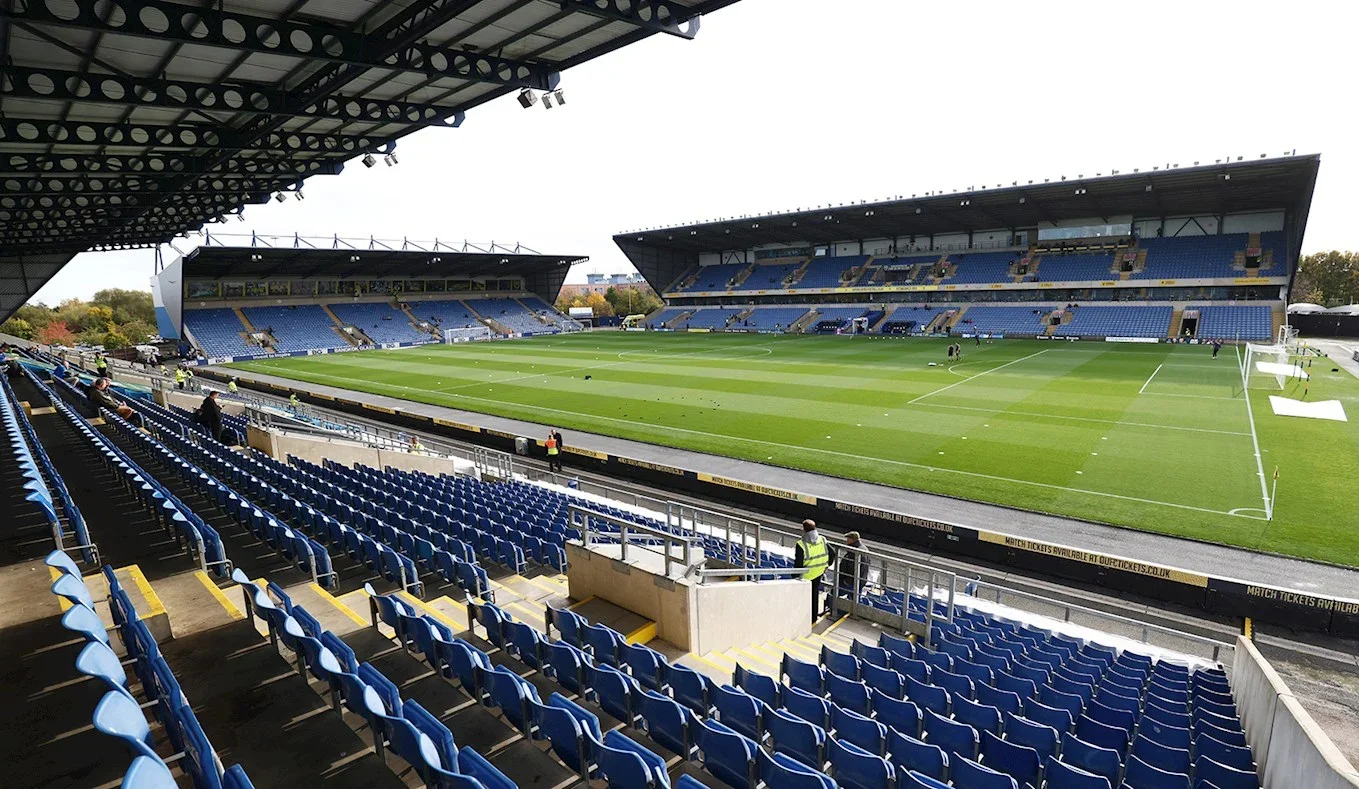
[(1322, 409), (1288, 370)]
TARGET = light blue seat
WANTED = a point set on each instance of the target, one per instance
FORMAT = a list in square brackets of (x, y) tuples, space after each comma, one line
[(1091, 758), (967, 774), (783, 772), (1059, 775), (117, 715), (1020, 762), (79, 619), (795, 737), (726, 754), (908, 753), (98, 661), (1137, 774), (74, 590), (147, 772), (856, 768), (864, 732), (625, 764), (61, 561)]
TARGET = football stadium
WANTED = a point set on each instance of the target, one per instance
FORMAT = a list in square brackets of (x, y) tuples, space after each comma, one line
[(1025, 486)]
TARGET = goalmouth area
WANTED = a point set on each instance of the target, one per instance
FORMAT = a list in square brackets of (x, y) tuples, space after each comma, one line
[(1163, 438)]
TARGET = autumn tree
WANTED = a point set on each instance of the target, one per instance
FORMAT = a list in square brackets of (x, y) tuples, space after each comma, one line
[(55, 333), (1328, 278)]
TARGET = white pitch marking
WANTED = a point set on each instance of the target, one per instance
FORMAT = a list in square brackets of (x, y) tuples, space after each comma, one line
[(1149, 377), (1259, 463), (978, 375)]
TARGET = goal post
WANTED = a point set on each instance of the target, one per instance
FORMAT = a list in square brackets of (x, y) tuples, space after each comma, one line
[(467, 334), (1268, 366)]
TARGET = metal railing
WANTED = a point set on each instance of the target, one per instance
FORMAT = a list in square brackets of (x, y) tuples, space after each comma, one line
[(630, 535), (1118, 625), (739, 531), (878, 575)]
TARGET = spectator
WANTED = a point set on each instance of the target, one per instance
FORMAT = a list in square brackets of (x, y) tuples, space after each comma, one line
[(812, 554), (231, 386), (845, 568), (554, 453), (99, 397), (13, 369), (209, 415)]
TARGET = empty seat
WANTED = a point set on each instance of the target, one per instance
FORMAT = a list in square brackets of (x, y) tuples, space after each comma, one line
[(797, 738), (1059, 775), (864, 732), (856, 768), (904, 716), (967, 774), (1137, 774), (954, 737), (1091, 758), (909, 753), (726, 754), (1207, 771), (781, 771)]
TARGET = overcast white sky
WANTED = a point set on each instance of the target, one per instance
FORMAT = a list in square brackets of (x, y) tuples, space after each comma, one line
[(779, 104)]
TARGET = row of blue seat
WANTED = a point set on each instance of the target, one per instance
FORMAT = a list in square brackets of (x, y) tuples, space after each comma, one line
[(119, 713), (399, 726), (36, 468)]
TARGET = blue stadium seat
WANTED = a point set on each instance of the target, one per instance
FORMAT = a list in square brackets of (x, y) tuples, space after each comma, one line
[(118, 715), (625, 764), (955, 738), (1017, 761), (1137, 774), (1092, 758), (726, 754), (1234, 756), (904, 716), (981, 717), (1221, 776), (856, 768), (739, 711), (864, 732), (967, 774), (780, 771), (796, 737), (1060, 775), (148, 772), (909, 753), (668, 723)]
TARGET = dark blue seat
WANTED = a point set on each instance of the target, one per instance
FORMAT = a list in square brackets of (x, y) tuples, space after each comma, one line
[(568, 665), (1137, 774), (648, 667), (871, 655), (1042, 738), (1003, 700), (783, 772), (1059, 719), (511, 693), (954, 737), (740, 711), (967, 774), (914, 780), (626, 764), (473, 765), (864, 732), (690, 688), (764, 688), (981, 717), (1204, 745), (526, 643), (848, 693), (1091, 758), (1020, 762), (936, 660), (1105, 736), (909, 667), (809, 707), (604, 643), (1109, 716), (1065, 684), (1060, 775), (856, 768), (956, 684), (896, 645), (1171, 760), (909, 753), (803, 676), (1221, 776), (1163, 734), (904, 716), (726, 754), (1202, 727), (425, 744), (796, 737), (667, 722), (615, 692), (846, 666), (465, 663), (1023, 687), (567, 737), (929, 697), (883, 679), (1056, 699)]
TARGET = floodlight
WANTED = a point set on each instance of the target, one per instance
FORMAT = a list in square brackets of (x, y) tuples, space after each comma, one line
[(527, 98), (368, 160), (547, 101), (299, 195), (559, 97), (280, 197)]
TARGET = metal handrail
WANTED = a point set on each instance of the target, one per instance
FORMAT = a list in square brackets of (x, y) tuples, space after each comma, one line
[(688, 516), (581, 517), (1147, 629), (704, 573), (846, 599)]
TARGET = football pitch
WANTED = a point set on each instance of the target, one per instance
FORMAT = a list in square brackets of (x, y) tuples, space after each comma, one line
[(1155, 437)]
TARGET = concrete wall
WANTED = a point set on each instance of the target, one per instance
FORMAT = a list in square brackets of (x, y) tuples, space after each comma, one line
[(693, 617), (315, 450), (190, 401), (1291, 750)]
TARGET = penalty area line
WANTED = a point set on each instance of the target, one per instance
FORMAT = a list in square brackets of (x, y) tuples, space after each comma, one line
[(1149, 377), (978, 375)]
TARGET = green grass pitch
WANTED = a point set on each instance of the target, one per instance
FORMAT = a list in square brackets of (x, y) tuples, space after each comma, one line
[(1155, 437)]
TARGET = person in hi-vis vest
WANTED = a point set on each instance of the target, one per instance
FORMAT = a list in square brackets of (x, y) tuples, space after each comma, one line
[(812, 554), (554, 453)]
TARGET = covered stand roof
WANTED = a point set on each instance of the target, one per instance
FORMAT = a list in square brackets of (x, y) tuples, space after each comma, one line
[(124, 123), (542, 274), (1224, 188)]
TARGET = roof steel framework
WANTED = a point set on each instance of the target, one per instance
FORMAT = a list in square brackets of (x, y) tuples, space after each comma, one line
[(124, 123)]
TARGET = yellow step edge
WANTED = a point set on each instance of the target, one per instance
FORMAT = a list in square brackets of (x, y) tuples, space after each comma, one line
[(56, 576), (341, 607), (711, 664), (153, 604), (527, 612), (838, 622), (790, 644), (574, 606), (716, 658), (547, 586), (770, 649), (421, 605), (758, 659), (643, 634), (43, 411), (217, 594)]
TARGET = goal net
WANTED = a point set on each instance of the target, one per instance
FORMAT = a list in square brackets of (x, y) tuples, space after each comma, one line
[(1269, 367), (467, 334)]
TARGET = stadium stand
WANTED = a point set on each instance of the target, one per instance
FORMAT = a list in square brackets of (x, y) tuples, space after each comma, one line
[(979, 267), (1075, 267), (1002, 320), (1231, 322), (770, 319), (769, 277), (826, 272), (908, 319), (1097, 321), (380, 321), (663, 317), (300, 327), (218, 332), (709, 278), (828, 319), (510, 314), (711, 317), (1276, 246), (1187, 257), (449, 314)]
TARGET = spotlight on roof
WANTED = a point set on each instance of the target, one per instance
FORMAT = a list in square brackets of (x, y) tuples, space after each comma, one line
[(240, 217), (559, 97), (368, 160), (298, 194), (390, 159), (547, 101), (280, 197), (527, 98)]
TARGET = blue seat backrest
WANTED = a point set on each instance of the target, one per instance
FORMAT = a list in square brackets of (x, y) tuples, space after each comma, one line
[(762, 687), (1220, 752), (909, 753), (781, 770), (1222, 776), (804, 676), (1138, 774), (839, 663), (884, 679), (1017, 761), (385, 689), (848, 693), (1091, 758), (855, 768), (808, 706), (967, 774), (904, 716), (437, 732), (475, 765), (667, 722), (954, 737), (1060, 775), (627, 764), (566, 735), (929, 697), (726, 754), (794, 736)]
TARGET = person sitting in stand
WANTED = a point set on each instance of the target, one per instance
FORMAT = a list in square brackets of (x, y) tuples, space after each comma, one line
[(99, 397)]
